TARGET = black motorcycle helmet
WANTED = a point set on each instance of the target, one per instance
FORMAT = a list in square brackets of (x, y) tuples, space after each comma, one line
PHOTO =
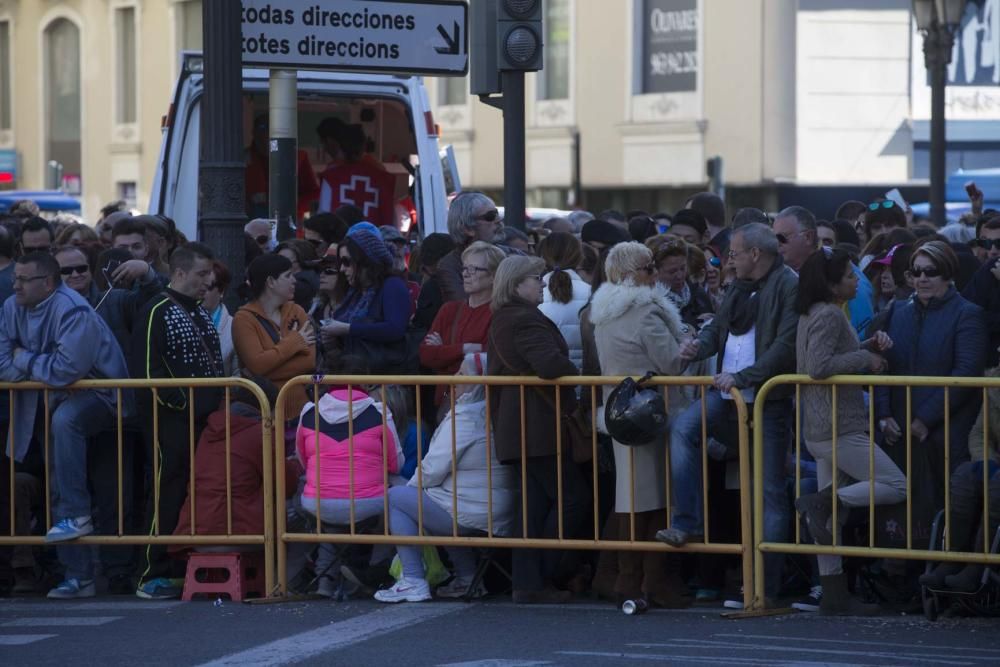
[(635, 416)]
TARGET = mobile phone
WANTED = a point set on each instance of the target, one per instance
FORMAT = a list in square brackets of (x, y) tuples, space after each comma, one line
[(109, 270)]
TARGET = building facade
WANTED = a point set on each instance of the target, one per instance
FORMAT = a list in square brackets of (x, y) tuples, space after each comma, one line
[(84, 84)]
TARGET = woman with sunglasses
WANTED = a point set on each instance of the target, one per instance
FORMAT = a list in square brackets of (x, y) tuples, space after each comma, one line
[(639, 329), (826, 344), (936, 333), (461, 327), (715, 285)]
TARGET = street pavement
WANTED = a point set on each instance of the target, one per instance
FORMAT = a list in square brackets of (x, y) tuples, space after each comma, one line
[(493, 633)]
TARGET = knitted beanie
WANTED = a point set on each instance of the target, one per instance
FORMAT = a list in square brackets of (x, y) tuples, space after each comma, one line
[(372, 245)]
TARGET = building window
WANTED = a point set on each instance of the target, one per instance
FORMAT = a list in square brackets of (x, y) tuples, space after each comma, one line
[(451, 90), (667, 39), (126, 80), (127, 193), (5, 73), (61, 41), (553, 80), (189, 34)]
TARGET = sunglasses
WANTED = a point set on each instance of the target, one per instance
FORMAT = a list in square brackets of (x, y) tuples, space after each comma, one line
[(986, 244), (874, 206), (783, 240), (929, 272), (70, 270), (331, 271), (715, 261), (489, 216), (263, 239)]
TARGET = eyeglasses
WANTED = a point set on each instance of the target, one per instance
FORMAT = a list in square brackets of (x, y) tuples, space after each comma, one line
[(734, 253), (489, 216), (70, 270), (331, 271), (875, 205), (472, 270), (986, 244), (27, 279), (715, 261), (263, 239), (930, 272)]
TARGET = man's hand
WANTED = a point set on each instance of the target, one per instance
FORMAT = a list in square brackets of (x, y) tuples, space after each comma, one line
[(880, 342), (129, 272), (689, 350), (891, 430), (918, 431), (724, 382)]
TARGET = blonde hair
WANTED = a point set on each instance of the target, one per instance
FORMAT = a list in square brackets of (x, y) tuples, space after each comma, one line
[(492, 254), (624, 259), (511, 272)]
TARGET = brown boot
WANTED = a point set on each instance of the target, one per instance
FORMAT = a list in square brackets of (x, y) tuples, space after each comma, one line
[(838, 601)]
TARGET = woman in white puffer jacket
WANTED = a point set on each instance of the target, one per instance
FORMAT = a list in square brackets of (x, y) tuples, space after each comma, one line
[(565, 291)]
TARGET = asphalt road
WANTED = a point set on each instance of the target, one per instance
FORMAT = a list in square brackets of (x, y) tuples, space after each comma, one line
[(494, 633)]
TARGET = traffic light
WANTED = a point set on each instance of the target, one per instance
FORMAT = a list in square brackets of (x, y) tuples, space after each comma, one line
[(519, 35), (504, 35)]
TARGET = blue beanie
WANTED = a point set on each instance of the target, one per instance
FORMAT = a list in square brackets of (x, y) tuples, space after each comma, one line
[(372, 245), (363, 225)]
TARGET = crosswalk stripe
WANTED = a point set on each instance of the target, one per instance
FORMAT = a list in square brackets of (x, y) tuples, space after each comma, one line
[(21, 640), (60, 621)]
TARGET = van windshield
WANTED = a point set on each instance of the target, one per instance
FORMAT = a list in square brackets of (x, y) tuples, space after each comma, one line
[(354, 152)]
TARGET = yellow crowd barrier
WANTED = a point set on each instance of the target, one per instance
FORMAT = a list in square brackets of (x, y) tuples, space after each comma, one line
[(376, 386), (122, 537), (837, 548)]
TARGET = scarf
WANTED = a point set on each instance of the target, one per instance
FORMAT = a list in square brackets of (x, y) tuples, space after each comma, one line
[(680, 300), (357, 305), (745, 299)]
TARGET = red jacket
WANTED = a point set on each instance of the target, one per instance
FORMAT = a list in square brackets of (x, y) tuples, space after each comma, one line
[(457, 324)]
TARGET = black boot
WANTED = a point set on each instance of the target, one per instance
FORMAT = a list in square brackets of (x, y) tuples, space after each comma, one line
[(838, 601), (968, 580)]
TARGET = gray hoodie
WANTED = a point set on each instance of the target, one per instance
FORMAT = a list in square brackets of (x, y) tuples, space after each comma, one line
[(63, 340)]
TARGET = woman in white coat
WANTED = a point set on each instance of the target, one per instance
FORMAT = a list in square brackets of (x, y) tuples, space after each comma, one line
[(638, 329), (565, 292), (474, 472)]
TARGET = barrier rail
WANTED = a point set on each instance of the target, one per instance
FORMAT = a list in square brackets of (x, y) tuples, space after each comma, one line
[(870, 383), (493, 384), (122, 538)]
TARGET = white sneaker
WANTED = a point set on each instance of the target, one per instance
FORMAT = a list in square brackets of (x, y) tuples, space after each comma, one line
[(405, 590), (461, 587)]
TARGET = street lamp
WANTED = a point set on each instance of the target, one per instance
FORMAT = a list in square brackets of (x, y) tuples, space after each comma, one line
[(938, 20)]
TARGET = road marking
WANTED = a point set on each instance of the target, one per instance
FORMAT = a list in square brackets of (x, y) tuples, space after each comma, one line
[(61, 621), (21, 640), (337, 635), (497, 662), (811, 640), (916, 657), (667, 658), (137, 605)]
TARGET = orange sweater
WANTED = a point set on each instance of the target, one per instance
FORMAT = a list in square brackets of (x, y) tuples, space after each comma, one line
[(280, 361)]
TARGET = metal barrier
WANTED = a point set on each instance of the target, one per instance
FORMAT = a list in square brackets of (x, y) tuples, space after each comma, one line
[(494, 383), (266, 539), (870, 551)]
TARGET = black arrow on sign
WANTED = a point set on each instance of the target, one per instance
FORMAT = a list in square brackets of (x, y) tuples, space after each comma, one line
[(451, 40)]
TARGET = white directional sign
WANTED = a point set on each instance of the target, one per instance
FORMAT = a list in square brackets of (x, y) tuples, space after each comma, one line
[(428, 37)]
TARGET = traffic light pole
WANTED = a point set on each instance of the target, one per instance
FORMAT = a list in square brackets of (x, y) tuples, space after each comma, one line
[(283, 151), (513, 149)]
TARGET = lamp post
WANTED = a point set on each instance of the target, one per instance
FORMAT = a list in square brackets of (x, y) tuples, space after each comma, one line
[(938, 20)]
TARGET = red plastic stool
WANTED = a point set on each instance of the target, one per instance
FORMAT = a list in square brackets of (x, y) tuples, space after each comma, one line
[(238, 575)]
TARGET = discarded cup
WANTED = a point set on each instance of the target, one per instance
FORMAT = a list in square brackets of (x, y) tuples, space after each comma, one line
[(634, 607), (218, 602)]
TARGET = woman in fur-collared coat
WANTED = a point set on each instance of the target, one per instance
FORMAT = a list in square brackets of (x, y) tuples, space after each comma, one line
[(637, 330)]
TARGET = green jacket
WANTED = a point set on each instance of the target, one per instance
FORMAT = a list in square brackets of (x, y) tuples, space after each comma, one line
[(776, 327)]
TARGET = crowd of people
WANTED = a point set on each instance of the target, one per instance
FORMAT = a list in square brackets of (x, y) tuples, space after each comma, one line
[(741, 298)]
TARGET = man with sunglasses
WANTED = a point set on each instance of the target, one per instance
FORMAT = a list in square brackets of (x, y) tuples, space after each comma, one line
[(472, 216), (49, 334), (261, 232)]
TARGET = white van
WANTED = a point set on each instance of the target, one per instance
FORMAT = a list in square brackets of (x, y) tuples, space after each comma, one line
[(393, 111)]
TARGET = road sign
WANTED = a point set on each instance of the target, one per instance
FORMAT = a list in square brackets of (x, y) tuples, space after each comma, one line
[(424, 37)]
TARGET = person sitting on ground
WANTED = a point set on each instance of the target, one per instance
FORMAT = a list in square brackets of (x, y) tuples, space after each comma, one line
[(966, 521), (565, 291), (826, 345), (469, 485), (462, 327), (335, 491), (273, 336), (50, 334)]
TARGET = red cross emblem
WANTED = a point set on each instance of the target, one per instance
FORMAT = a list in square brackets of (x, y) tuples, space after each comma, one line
[(360, 193)]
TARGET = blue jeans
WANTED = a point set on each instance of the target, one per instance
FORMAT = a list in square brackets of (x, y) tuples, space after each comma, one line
[(403, 521), (79, 416), (686, 475)]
